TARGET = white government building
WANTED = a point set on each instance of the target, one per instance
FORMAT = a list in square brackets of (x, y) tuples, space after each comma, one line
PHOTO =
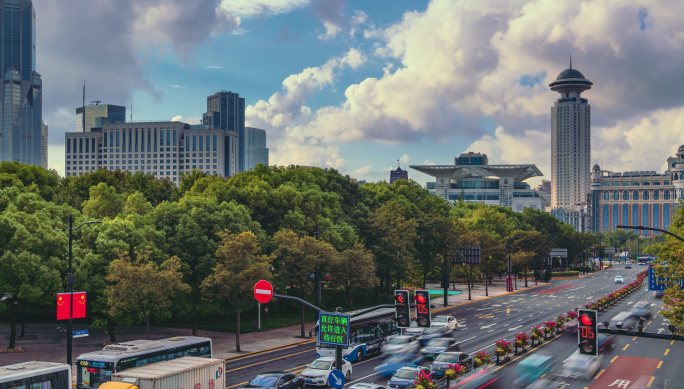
[(161, 148), (472, 177)]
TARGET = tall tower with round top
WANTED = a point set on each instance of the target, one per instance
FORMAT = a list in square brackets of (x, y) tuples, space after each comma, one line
[(570, 140)]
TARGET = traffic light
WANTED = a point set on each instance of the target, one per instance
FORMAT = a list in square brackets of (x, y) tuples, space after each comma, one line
[(401, 308), (422, 300), (587, 331)]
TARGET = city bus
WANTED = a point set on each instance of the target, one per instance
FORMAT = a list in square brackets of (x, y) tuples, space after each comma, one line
[(43, 375), (95, 368), (367, 334)]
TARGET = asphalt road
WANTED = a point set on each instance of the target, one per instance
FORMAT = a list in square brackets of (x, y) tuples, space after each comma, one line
[(486, 321)]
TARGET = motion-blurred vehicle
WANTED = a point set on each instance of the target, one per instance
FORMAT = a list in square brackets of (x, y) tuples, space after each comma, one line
[(532, 368), (401, 344), (581, 366), (367, 386), (444, 321), (318, 371), (606, 342), (488, 378), (437, 346), (390, 365), (414, 329), (619, 280), (404, 377), (434, 333), (443, 360), (628, 321), (276, 379), (642, 309)]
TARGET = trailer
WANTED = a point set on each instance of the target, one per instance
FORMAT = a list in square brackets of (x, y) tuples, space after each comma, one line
[(181, 373)]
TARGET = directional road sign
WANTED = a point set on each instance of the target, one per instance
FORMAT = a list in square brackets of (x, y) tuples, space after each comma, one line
[(336, 379), (80, 334), (263, 291)]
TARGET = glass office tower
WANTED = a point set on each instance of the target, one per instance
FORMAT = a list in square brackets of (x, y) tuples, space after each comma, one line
[(21, 132), (86, 121), (226, 111), (257, 152)]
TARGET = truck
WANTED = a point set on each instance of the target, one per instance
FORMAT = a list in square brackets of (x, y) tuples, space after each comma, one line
[(181, 373)]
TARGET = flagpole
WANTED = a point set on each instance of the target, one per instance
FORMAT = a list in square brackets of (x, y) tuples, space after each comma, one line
[(70, 289)]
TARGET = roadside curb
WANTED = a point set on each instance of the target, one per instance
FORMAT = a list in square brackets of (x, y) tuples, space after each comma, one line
[(268, 350)]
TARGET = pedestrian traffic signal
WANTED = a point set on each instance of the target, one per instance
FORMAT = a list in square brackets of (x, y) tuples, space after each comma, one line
[(422, 300), (401, 308), (587, 331)]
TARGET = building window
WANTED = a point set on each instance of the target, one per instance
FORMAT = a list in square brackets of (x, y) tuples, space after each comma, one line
[(635, 195), (625, 195), (666, 195), (616, 195), (646, 196), (606, 196), (656, 195)]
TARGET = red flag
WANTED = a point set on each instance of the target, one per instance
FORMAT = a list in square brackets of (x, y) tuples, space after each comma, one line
[(397, 160), (79, 309), (63, 306)]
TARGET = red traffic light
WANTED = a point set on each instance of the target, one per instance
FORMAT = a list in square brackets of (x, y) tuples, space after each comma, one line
[(420, 299), (586, 320), (399, 298)]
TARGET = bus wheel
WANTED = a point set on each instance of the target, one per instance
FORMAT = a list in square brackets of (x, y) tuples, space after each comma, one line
[(359, 355)]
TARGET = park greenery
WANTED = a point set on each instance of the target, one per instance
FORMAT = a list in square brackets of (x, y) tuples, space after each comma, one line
[(190, 254)]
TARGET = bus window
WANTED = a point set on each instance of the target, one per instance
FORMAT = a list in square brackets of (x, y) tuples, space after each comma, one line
[(174, 354), (205, 351)]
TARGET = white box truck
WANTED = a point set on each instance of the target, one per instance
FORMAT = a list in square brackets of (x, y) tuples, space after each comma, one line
[(181, 373)]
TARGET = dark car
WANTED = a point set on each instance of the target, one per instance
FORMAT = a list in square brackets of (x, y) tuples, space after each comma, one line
[(405, 377), (438, 346), (642, 309), (433, 333), (276, 379), (629, 322), (443, 360), (606, 342)]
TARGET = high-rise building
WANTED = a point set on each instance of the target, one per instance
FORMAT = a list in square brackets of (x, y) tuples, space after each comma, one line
[(163, 149), (226, 111), (570, 140), (44, 146), (86, 116), (255, 142), (398, 174), (22, 101)]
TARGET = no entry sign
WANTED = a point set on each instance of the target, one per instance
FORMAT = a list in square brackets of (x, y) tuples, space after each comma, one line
[(263, 291)]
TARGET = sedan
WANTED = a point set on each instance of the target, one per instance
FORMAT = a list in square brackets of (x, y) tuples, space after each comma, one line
[(404, 378), (581, 366), (396, 362), (401, 344), (444, 321), (619, 280), (443, 360), (642, 309), (628, 321), (434, 333), (414, 329), (438, 346), (276, 379), (318, 371)]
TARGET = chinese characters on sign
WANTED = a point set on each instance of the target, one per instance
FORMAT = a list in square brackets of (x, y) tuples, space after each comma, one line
[(334, 329)]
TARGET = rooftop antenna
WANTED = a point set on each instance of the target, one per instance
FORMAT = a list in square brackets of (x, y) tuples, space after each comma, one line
[(570, 61), (131, 112), (83, 117)]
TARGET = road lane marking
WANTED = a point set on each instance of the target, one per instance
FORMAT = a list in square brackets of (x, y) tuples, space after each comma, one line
[(362, 378), (613, 360), (241, 383), (654, 316), (270, 360), (650, 382), (659, 364), (463, 341), (671, 343), (649, 323), (625, 348), (667, 351), (599, 374), (634, 338)]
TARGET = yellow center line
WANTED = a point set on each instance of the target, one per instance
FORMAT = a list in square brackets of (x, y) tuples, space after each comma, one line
[(241, 383), (599, 374), (466, 310), (659, 364), (655, 316), (650, 382), (613, 360), (625, 347), (533, 299), (667, 351), (671, 343), (649, 323), (634, 338), (274, 359)]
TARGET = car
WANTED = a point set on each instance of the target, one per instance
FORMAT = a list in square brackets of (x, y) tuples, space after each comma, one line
[(642, 263), (619, 280), (487, 378), (642, 309), (401, 344), (367, 386), (404, 377), (581, 366), (443, 360), (390, 365), (414, 329), (628, 321), (628, 266), (532, 368), (444, 321), (605, 342), (437, 346), (434, 333), (318, 371), (276, 379)]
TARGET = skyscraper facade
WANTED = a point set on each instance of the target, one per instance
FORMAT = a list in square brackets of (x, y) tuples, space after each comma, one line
[(44, 146), (86, 116), (398, 174), (255, 142), (570, 140), (22, 113), (226, 111)]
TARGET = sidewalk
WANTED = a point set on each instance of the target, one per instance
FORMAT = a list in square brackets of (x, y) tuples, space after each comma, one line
[(50, 347)]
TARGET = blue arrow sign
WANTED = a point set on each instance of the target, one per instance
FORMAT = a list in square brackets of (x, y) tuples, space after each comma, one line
[(659, 283), (336, 379), (80, 334)]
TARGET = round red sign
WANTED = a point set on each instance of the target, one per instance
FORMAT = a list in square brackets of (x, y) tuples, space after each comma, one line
[(263, 291)]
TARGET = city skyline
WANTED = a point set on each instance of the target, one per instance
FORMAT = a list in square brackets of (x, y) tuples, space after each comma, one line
[(317, 79)]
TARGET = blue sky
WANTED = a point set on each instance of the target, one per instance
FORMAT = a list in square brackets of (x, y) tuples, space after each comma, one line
[(356, 85)]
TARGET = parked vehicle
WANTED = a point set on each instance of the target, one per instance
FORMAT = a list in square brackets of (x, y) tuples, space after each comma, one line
[(318, 371), (185, 372)]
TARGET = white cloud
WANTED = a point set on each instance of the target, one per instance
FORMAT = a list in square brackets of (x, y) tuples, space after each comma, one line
[(177, 86), (189, 120), (261, 8), (428, 162), (362, 170), (213, 67), (405, 159)]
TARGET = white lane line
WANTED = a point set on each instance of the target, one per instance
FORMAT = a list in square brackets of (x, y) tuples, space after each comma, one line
[(463, 341), (514, 328), (530, 315), (362, 378), (483, 348), (491, 331)]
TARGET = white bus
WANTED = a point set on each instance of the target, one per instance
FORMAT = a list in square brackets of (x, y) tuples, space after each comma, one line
[(96, 367), (367, 334), (42, 375)]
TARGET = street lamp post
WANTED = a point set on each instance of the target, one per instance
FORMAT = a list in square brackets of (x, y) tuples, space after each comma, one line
[(70, 287), (650, 229), (317, 277), (509, 262)]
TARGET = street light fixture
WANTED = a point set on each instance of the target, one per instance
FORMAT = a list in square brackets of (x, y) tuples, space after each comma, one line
[(317, 277), (70, 285)]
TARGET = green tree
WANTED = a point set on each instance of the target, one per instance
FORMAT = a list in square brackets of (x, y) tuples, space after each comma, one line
[(238, 268), (352, 269), (103, 202), (142, 287)]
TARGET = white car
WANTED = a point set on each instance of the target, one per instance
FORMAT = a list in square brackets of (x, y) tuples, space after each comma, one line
[(414, 330), (581, 366), (619, 280), (367, 386), (402, 344), (444, 321), (318, 371)]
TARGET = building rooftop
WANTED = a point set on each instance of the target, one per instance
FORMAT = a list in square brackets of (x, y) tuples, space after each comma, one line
[(570, 73), (461, 172)]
